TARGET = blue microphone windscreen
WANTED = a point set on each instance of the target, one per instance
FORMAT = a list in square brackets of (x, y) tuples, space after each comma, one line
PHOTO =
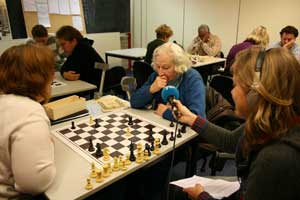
[(168, 92)]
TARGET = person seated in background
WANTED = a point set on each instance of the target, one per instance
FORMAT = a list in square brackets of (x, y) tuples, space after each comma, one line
[(259, 36), (27, 150), (40, 36), (172, 67), (288, 37), (163, 34), (81, 56), (267, 146), (205, 43)]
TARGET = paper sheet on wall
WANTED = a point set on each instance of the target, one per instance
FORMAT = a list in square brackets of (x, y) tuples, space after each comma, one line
[(29, 5), (75, 7), (43, 15), (64, 7), (77, 22), (53, 6), (215, 187)]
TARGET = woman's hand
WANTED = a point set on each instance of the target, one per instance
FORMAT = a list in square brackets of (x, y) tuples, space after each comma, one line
[(159, 83), (184, 114), (193, 192)]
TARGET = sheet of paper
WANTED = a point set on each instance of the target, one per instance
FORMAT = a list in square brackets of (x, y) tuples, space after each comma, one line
[(43, 15), (53, 6), (29, 5), (215, 187), (64, 7), (77, 22), (75, 7)]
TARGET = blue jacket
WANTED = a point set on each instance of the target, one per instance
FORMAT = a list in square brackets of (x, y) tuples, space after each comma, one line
[(191, 94)]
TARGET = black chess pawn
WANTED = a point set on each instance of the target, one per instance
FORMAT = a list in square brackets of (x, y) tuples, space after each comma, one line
[(150, 138), (183, 128), (96, 125), (179, 134), (147, 147), (159, 145), (172, 136), (99, 152), (152, 146), (73, 125), (164, 141), (130, 122), (91, 146), (131, 156), (171, 124)]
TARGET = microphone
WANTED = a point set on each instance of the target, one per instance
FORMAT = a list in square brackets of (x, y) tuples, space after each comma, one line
[(170, 93)]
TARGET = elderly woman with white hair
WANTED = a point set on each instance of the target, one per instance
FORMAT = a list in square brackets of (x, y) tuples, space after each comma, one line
[(172, 67)]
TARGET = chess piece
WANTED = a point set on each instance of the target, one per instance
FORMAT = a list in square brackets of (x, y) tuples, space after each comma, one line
[(127, 160), (179, 134), (99, 177), (156, 146), (183, 128), (73, 125), (88, 185), (146, 155), (96, 123), (116, 164), (106, 172), (99, 152), (140, 156), (152, 146), (130, 122), (158, 142), (132, 156), (164, 141), (147, 147), (93, 171), (171, 124), (172, 136), (106, 156), (91, 146), (150, 138), (91, 120)]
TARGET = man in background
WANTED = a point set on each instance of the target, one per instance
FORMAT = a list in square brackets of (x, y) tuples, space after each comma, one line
[(40, 36), (205, 43), (288, 37)]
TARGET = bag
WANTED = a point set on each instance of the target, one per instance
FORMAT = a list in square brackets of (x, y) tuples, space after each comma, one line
[(219, 111)]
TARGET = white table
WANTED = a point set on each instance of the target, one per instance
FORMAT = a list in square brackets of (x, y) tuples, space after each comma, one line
[(71, 87), (73, 169), (132, 54), (208, 67)]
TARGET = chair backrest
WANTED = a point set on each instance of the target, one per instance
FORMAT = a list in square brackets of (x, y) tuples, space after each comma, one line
[(141, 71), (128, 84), (104, 67), (224, 85)]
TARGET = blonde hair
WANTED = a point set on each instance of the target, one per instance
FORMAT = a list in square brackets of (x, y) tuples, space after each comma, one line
[(178, 56), (259, 36), (277, 89), (163, 31)]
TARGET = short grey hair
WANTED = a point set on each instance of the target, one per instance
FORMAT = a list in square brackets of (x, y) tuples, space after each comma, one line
[(203, 28), (178, 56)]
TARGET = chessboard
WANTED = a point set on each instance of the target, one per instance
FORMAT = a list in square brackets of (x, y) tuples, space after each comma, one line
[(55, 83), (110, 131)]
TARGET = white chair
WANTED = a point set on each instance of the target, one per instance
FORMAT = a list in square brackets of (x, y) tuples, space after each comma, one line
[(104, 67)]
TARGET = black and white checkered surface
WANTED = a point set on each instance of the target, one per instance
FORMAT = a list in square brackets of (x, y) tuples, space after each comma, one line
[(55, 83), (111, 133)]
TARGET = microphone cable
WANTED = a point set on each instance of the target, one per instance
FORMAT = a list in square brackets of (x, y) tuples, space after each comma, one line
[(173, 153)]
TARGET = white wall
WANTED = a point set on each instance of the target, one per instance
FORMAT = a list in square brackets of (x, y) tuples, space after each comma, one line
[(231, 20)]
